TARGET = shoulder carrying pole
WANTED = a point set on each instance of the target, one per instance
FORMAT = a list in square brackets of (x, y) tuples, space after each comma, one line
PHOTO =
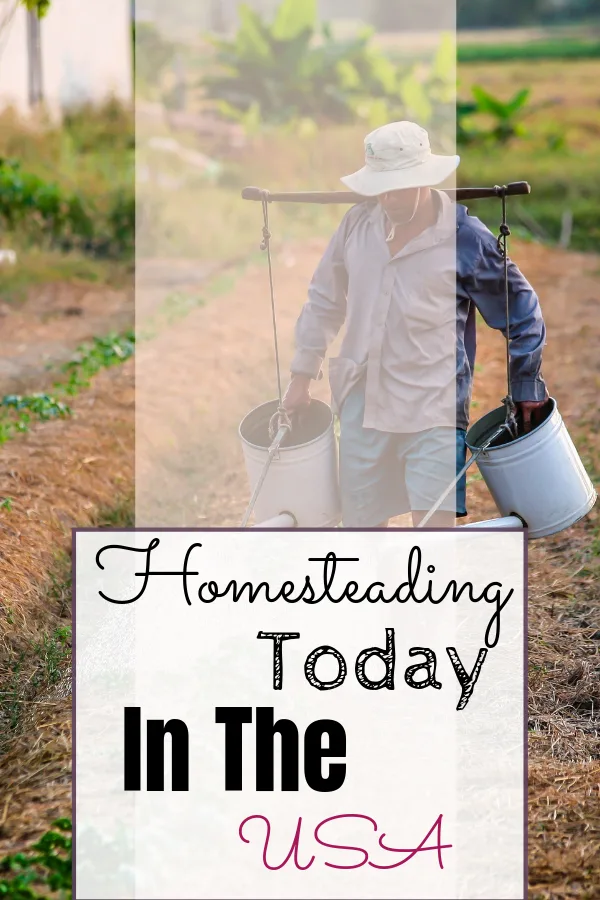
[(349, 197)]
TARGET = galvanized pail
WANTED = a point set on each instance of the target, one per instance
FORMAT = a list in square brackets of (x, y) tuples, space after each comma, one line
[(538, 477), (303, 477)]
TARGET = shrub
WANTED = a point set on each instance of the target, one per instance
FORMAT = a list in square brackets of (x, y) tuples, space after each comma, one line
[(43, 210), (108, 127)]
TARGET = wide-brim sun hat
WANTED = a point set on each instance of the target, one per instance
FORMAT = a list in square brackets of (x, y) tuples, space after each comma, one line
[(397, 157)]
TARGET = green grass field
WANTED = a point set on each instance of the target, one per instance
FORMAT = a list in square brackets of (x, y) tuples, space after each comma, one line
[(570, 48)]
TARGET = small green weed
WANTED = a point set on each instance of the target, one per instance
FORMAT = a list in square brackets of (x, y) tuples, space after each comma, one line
[(42, 406), (52, 652), (10, 699), (90, 358), (101, 353), (30, 407), (44, 869), (121, 515)]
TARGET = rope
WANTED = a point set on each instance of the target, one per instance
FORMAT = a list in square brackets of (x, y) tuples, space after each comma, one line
[(508, 401), (510, 422), (279, 425), (266, 245)]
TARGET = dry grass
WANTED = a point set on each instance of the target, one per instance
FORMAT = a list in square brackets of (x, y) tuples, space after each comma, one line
[(58, 476), (564, 813), (564, 594)]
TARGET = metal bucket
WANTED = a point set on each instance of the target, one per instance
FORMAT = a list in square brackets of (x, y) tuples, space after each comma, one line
[(538, 477), (303, 477)]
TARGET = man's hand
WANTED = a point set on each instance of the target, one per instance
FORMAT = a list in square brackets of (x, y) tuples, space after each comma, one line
[(531, 412), (297, 397)]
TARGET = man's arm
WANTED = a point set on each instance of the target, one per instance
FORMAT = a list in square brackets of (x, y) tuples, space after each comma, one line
[(324, 312), (321, 318), (485, 285)]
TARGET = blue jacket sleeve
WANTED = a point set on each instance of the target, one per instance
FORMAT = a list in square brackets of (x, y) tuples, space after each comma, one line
[(484, 283)]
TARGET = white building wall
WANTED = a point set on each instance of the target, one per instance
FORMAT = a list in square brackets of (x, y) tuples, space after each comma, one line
[(86, 53), (13, 56)]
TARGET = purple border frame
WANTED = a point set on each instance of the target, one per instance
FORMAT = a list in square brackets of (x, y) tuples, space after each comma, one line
[(522, 531)]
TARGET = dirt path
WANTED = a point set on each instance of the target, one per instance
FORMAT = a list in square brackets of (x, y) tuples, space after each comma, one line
[(44, 330), (50, 325)]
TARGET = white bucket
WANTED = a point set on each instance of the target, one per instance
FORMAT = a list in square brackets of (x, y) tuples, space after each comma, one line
[(538, 477), (303, 477)]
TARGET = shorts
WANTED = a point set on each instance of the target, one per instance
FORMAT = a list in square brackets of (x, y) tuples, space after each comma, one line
[(383, 475)]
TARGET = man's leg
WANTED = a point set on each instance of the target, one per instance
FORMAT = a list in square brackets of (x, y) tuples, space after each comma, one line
[(432, 460), (371, 481)]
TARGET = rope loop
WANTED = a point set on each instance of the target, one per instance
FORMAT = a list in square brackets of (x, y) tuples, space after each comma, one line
[(504, 233), (278, 421), (511, 417), (266, 238)]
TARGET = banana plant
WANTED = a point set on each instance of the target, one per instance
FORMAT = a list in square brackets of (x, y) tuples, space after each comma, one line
[(292, 68), (508, 114)]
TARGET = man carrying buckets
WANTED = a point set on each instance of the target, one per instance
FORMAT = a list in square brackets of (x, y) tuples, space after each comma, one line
[(406, 274)]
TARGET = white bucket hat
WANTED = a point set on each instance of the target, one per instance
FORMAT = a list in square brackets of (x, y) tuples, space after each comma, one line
[(398, 156)]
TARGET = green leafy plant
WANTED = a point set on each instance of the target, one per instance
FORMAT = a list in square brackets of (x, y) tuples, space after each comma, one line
[(506, 117), (26, 195), (292, 68), (42, 406), (52, 651), (27, 408), (101, 353), (43, 209), (44, 869), (90, 358), (507, 114)]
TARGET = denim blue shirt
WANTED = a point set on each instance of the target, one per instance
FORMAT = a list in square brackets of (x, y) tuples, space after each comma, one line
[(340, 293)]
